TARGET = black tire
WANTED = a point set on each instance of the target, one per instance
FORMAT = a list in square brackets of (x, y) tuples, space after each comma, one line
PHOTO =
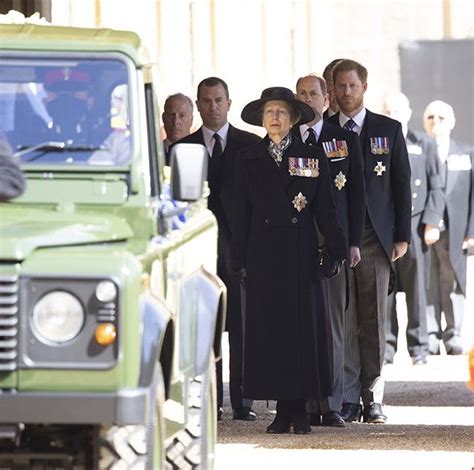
[(193, 447), (136, 447)]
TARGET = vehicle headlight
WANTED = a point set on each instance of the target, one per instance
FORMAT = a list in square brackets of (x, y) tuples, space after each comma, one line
[(58, 317)]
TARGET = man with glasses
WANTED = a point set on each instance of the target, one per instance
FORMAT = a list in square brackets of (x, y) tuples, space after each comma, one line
[(447, 288)]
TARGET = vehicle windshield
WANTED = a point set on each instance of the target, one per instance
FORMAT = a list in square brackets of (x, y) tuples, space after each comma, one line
[(71, 112)]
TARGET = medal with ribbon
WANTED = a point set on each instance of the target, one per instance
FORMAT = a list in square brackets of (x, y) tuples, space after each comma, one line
[(379, 145), (301, 166), (335, 148)]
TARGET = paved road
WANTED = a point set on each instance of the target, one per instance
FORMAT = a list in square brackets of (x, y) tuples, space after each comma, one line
[(430, 422)]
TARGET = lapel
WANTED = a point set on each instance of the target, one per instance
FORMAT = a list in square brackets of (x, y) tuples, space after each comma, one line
[(364, 142), (269, 175), (265, 172)]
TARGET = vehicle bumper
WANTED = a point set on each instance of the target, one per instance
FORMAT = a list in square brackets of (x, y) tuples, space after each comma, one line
[(128, 406)]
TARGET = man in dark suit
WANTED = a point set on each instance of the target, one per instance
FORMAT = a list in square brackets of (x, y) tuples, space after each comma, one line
[(346, 169), (426, 211), (223, 141), (385, 239), (177, 119), (449, 255)]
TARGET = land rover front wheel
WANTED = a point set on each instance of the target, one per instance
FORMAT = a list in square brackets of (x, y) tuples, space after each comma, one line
[(193, 447), (137, 447)]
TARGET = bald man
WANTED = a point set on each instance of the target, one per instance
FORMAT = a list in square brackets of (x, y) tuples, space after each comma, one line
[(177, 119), (448, 272), (426, 211)]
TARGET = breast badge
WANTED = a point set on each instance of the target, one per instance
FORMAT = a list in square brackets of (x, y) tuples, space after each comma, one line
[(340, 180), (379, 145), (299, 202), (300, 166), (379, 169)]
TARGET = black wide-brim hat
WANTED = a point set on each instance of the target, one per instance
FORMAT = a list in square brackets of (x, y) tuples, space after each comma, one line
[(252, 112)]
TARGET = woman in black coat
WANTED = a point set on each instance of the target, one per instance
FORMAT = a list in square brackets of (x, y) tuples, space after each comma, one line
[(282, 189)]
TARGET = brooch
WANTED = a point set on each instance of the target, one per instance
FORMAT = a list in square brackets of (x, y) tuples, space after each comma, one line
[(340, 180), (299, 202)]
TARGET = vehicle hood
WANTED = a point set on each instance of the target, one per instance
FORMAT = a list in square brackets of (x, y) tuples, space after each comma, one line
[(24, 230)]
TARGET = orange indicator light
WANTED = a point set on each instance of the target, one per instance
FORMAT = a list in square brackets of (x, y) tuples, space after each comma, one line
[(105, 334)]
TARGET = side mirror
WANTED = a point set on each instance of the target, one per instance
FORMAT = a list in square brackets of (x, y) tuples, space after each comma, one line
[(188, 171)]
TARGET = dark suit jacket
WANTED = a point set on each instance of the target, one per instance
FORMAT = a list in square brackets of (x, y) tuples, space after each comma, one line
[(221, 185), (459, 197), (388, 195), (350, 198)]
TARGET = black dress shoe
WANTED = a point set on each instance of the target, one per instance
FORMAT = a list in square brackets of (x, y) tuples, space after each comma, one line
[(220, 412), (351, 412), (280, 425), (373, 414), (245, 413), (333, 419), (314, 419), (419, 360), (301, 423), (455, 350)]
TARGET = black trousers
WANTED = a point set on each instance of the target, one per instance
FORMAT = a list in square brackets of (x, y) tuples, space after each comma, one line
[(444, 296), (411, 279)]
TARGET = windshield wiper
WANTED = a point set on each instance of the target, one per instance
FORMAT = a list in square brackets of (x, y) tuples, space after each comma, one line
[(51, 146)]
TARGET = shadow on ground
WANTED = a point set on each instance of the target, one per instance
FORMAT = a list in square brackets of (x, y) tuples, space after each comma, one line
[(428, 394)]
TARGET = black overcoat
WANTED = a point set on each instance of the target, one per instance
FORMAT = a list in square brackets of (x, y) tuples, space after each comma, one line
[(286, 350), (221, 185), (459, 196)]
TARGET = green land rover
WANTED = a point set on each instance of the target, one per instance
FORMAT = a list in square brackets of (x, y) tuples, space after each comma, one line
[(110, 309)]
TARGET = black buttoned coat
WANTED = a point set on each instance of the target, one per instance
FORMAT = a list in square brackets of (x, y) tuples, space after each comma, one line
[(286, 350), (388, 194)]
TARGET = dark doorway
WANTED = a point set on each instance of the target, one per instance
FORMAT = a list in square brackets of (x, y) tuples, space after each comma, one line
[(440, 70)]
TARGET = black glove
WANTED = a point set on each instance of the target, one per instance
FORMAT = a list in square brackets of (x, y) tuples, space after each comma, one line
[(334, 269), (328, 266)]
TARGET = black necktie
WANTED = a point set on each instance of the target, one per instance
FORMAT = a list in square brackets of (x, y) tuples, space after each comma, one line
[(349, 125), (217, 149), (311, 139)]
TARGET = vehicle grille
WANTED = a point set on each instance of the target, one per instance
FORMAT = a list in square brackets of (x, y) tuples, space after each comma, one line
[(8, 321)]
